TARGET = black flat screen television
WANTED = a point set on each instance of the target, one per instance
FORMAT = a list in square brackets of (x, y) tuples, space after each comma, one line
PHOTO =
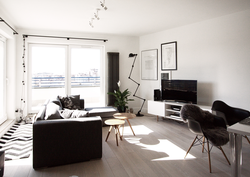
[(179, 91)]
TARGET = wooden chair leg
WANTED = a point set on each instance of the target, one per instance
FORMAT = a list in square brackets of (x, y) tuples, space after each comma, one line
[(209, 160), (247, 139), (224, 154), (190, 146), (203, 143)]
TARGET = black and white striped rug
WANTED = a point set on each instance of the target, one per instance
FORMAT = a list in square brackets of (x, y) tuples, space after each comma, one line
[(17, 142)]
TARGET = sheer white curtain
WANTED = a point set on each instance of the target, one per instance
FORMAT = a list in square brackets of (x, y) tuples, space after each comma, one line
[(3, 115)]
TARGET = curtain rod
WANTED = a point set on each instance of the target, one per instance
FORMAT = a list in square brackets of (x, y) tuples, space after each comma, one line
[(68, 38), (2, 20)]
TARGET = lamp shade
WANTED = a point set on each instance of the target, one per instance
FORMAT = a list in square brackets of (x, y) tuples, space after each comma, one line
[(132, 55)]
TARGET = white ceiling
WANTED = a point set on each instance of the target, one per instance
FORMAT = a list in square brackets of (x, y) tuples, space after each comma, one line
[(123, 17)]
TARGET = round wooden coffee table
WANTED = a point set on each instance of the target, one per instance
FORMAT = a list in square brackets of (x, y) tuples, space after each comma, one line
[(125, 116), (116, 123)]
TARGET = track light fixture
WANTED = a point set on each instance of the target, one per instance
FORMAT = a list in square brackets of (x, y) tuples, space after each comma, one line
[(96, 14), (103, 5), (91, 22)]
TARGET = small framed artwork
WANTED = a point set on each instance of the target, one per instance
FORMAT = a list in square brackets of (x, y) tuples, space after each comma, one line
[(165, 76), (169, 56), (149, 64)]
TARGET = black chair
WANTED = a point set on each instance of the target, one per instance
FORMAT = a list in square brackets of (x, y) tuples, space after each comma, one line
[(231, 115), (207, 128)]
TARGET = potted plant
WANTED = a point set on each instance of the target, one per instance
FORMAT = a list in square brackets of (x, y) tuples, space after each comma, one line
[(121, 98)]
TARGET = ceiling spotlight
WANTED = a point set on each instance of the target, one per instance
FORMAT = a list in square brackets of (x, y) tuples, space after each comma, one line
[(103, 5), (96, 14), (91, 23)]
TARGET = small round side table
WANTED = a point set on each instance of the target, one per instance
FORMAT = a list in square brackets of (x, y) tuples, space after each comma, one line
[(116, 123), (125, 116)]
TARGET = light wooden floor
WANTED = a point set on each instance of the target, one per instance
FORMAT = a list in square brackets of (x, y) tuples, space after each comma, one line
[(157, 150)]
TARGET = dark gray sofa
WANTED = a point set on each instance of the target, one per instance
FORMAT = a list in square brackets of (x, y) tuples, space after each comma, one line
[(60, 139), (66, 141), (54, 105)]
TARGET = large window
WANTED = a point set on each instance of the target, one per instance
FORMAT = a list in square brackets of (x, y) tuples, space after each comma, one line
[(48, 73), (3, 115), (65, 70)]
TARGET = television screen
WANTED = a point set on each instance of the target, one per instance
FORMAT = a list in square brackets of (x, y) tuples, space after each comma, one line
[(179, 90)]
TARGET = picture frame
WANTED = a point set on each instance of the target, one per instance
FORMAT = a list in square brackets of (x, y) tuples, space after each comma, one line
[(169, 56), (149, 64)]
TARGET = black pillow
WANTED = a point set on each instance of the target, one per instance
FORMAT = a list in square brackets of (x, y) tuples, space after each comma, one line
[(76, 101)]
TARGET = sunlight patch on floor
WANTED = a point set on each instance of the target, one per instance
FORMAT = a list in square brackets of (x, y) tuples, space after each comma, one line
[(172, 151), (138, 129)]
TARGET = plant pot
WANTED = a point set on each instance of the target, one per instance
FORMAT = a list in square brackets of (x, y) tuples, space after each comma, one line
[(120, 109)]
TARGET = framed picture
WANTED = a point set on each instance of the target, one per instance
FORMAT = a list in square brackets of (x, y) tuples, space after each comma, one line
[(149, 64), (165, 76), (169, 56)]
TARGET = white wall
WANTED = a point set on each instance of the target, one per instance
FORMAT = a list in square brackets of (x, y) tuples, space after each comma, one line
[(122, 44), (215, 52)]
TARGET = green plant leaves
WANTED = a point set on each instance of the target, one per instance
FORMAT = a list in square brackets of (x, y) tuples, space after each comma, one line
[(121, 98)]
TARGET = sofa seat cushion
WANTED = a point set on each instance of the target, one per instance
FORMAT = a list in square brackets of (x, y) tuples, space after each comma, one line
[(103, 112)]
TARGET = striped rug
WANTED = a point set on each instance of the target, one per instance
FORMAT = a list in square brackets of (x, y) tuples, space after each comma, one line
[(17, 142)]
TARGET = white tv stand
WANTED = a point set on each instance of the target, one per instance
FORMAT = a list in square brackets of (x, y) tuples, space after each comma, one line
[(168, 109)]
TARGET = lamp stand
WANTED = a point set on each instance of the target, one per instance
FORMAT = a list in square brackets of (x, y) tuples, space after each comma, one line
[(138, 85)]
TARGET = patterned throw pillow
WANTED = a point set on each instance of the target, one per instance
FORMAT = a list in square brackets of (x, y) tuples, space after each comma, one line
[(66, 102), (70, 102)]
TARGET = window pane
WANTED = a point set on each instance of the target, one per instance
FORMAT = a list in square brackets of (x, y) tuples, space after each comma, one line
[(85, 74), (48, 73)]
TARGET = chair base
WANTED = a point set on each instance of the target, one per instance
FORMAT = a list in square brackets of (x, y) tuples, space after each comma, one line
[(202, 142)]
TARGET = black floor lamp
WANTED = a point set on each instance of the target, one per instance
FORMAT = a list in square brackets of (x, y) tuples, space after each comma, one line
[(139, 112)]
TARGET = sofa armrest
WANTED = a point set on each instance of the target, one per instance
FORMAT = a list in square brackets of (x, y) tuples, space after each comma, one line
[(65, 141)]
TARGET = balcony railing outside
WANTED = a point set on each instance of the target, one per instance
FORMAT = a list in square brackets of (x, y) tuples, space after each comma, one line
[(59, 82)]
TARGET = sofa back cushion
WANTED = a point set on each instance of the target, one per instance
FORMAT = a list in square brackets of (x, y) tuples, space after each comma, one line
[(41, 113), (52, 111)]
